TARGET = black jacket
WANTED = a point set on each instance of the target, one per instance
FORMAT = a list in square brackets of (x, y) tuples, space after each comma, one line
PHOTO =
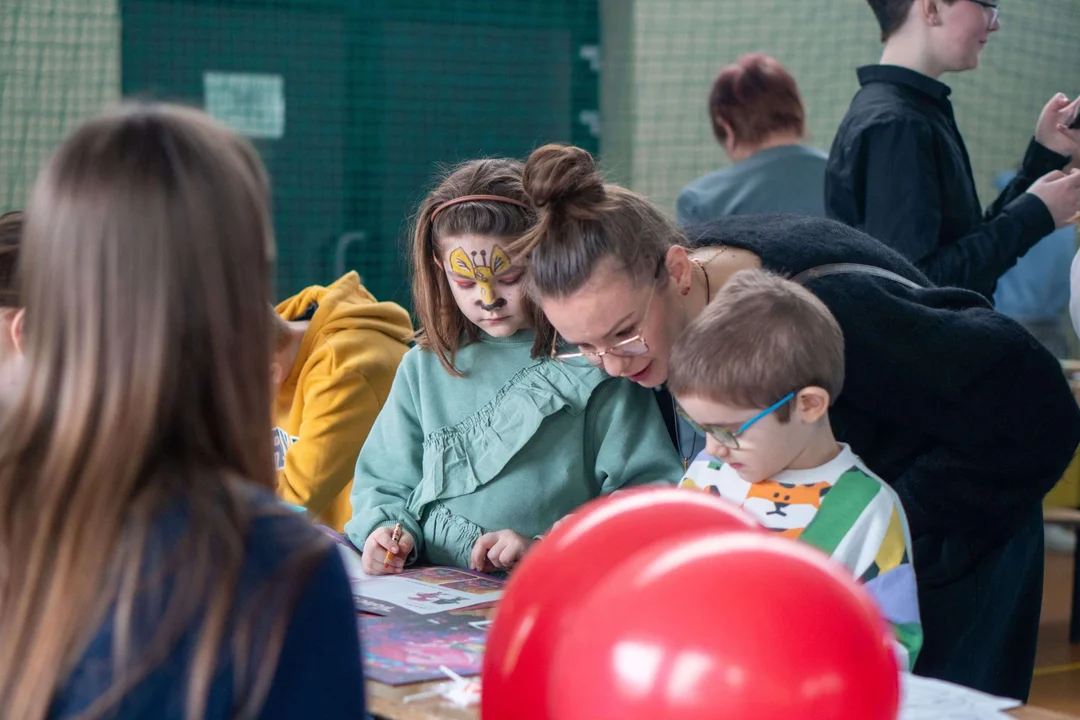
[(899, 171), (962, 412)]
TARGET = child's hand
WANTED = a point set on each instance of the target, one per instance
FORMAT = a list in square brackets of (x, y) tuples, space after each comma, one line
[(378, 544), (500, 550)]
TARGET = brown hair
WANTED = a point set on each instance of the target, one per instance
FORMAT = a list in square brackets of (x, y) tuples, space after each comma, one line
[(892, 14), (760, 338), (584, 222), (11, 228), (758, 98), (442, 327), (146, 269)]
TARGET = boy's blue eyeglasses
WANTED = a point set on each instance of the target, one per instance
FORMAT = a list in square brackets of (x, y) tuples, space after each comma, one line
[(726, 437)]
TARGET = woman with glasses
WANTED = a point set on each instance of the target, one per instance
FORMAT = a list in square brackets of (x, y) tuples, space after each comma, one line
[(484, 443), (952, 404), (899, 170)]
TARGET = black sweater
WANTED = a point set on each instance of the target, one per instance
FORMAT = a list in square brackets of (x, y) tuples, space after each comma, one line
[(962, 411), (900, 172)]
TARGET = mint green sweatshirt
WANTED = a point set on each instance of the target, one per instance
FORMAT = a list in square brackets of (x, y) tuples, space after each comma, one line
[(516, 444)]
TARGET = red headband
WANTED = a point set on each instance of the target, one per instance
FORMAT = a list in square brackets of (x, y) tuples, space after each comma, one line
[(471, 198)]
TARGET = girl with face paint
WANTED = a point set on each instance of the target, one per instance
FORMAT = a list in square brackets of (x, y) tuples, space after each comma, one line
[(485, 442)]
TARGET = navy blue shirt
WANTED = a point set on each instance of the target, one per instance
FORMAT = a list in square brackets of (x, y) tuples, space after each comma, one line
[(900, 171), (318, 674)]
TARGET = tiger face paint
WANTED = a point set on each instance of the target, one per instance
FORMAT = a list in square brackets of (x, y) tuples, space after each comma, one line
[(485, 284), (483, 271)]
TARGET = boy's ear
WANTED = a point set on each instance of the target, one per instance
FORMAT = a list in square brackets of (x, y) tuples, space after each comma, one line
[(812, 404), (17, 329), (928, 10)]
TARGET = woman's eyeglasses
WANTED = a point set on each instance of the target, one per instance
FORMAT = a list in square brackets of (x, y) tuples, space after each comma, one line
[(635, 346), (729, 438)]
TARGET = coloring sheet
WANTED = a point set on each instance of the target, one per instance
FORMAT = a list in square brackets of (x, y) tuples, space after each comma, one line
[(431, 590), (926, 699), (405, 650), (424, 591)]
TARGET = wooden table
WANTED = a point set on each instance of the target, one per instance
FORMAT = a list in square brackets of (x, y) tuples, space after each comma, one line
[(1030, 713), (385, 701)]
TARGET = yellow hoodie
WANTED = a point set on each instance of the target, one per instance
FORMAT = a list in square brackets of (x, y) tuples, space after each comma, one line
[(339, 382)]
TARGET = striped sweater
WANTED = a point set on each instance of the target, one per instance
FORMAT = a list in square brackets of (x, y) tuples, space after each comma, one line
[(844, 509)]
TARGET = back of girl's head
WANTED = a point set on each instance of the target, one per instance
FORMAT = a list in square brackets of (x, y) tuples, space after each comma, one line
[(145, 269), (11, 229), (584, 223), (443, 328), (147, 263)]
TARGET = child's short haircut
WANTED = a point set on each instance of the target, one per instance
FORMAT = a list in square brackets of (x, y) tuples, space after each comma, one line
[(891, 14), (757, 97), (760, 338), (443, 328), (11, 229)]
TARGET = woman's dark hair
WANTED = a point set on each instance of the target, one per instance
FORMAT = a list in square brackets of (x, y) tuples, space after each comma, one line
[(583, 222), (11, 229)]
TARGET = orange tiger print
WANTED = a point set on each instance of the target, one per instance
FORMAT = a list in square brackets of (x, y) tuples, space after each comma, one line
[(782, 495)]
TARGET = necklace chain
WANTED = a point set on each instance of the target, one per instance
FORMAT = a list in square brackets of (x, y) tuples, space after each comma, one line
[(675, 416), (701, 266)]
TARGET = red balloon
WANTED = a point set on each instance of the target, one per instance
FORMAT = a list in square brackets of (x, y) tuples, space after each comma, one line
[(545, 590), (737, 625)]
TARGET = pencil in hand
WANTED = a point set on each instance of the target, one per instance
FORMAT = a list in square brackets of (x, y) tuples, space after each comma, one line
[(393, 541)]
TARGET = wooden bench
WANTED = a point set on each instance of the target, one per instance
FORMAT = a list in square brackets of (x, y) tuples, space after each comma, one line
[(1069, 517)]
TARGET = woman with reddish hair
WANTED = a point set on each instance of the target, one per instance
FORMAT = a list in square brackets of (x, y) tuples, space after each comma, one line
[(758, 118)]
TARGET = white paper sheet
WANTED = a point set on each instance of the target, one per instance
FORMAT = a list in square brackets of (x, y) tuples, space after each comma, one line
[(424, 591), (926, 699)]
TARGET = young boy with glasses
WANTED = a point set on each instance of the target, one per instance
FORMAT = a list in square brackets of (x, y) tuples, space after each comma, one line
[(756, 373)]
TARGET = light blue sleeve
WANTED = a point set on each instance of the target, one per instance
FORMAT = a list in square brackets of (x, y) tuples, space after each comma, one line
[(390, 465), (1074, 293), (686, 208)]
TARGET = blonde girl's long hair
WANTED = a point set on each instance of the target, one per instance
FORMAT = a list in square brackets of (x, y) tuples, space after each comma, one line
[(145, 271)]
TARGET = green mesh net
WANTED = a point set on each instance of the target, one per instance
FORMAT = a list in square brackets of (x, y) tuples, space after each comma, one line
[(354, 104)]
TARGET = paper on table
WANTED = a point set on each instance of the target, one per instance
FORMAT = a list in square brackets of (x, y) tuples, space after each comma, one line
[(422, 591), (431, 590), (405, 650), (926, 699), (354, 565)]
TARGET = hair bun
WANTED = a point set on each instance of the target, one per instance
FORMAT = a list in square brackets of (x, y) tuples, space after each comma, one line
[(564, 177)]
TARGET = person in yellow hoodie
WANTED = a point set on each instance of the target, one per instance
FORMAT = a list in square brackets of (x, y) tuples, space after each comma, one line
[(337, 352)]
